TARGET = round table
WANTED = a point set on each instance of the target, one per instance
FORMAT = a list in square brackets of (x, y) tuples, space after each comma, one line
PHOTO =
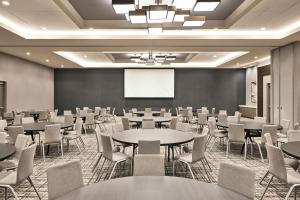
[(6, 150), (157, 120), (152, 187), (292, 149), (34, 128), (142, 113)]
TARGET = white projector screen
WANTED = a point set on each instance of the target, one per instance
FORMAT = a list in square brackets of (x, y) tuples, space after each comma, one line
[(149, 83)]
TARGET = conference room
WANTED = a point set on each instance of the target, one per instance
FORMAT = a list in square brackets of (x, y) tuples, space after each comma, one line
[(149, 99)]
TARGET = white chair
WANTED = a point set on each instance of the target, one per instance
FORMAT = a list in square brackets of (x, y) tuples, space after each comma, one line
[(236, 134), (149, 146), (213, 110), (23, 172), (222, 118), (148, 114), (202, 120), (125, 123), (215, 133), (237, 178), (75, 135), (198, 154), (68, 119), (293, 135), (44, 115), (232, 119), (185, 127), (108, 154), (260, 119), (278, 169), (148, 123), (63, 178), (148, 109), (27, 120), (223, 112), (13, 132), (89, 122), (67, 112), (52, 136), (3, 124), (17, 119), (85, 108), (282, 136), (149, 165)]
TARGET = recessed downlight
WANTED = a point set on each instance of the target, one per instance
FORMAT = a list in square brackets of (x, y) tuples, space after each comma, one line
[(85, 56), (5, 3), (263, 28), (215, 56), (255, 57), (62, 66), (44, 28), (28, 53), (47, 60)]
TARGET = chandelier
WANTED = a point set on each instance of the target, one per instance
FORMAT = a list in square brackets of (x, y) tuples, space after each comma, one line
[(150, 59), (165, 11)]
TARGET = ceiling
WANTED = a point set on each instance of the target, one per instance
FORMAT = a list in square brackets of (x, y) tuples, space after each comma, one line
[(237, 34)]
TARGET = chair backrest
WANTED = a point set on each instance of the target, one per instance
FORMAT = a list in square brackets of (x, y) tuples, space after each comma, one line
[(44, 115), (236, 133), (83, 112), (97, 111), (52, 116), (272, 129), (237, 178), (202, 118), (213, 110), (223, 112), (25, 165), (128, 115), (90, 118), (99, 143), (69, 119), (212, 127), (162, 113), (13, 132), (173, 123), (148, 114), (148, 124), (27, 120), (198, 110), (185, 127), (3, 124), (149, 146), (52, 133), (77, 110), (163, 109), (167, 115), (205, 112), (147, 109), (185, 112), (63, 178), (232, 119), (20, 144), (107, 147), (67, 112), (17, 119), (222, 117), (59, 119), (116, 128), (189, 108), (125, 123), (103, 111), (149, 165), (134, 110), (268, 139), (260, 119), (78, 127), (85, 108), (276, 162), (293, 135), (203, 108), (205, 131), (199, 148), (285, 125)]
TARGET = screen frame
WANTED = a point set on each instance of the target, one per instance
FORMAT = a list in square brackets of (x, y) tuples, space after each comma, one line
[(156, 68)]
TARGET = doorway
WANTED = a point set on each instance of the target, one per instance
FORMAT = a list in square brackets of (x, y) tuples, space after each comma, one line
[(2, 98)]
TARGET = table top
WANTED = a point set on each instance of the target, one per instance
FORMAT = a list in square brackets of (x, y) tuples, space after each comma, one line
[(40, 126), (6, 150), (248, 125), (83, 115), (152, 187), (166, 136), (142, 112), (156, 119), (292, 149)]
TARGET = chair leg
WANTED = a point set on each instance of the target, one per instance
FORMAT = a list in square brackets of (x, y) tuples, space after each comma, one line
[(290, 191), (213, 144), (31, 183), (266, 174), (43, 151), (82, 142), (208, 164), (113, 169), (97, 162), (6, 192), (190, 170), (245, 152), (259, 149), (174, 161), (228, 146), (266, 188), (62, 149), (77, 145), (205, 171)]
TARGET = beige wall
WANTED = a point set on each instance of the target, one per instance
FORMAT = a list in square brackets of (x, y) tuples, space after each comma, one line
[(29, 85)]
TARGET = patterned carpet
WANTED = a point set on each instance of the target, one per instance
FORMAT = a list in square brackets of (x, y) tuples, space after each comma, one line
[(89, 156)]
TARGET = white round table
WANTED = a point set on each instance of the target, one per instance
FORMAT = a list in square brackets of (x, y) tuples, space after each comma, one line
[(157, 120), (142, 113), (152, 187)]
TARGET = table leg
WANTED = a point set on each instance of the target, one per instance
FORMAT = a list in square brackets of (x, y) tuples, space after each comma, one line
[(168, 153), (133, 154)]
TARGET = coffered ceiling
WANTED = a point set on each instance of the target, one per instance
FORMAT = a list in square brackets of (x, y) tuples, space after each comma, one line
[(88, 33)]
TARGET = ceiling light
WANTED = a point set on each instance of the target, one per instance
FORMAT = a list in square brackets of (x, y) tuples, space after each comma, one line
[(47, 60), (155, 29), (171, 13), (5, 3), (44, 28), (28, 53), (262, 28), (184, 4), (158, 12), (206, 5), (194, 21), (255, 57), (214, 56), (138, 16), (135, 58), (91, 28), (85, 56), (169, 58), (160, 58), (123, 6), (180, 15), (62, 66)]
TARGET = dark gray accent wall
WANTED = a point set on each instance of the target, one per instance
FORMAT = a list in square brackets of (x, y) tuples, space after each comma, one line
[(219, 88)]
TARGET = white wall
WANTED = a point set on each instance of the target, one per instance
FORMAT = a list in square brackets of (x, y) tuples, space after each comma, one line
[(29, 85), (251, 76)]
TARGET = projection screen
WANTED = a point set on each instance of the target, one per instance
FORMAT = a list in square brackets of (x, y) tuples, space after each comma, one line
[(149, 83)]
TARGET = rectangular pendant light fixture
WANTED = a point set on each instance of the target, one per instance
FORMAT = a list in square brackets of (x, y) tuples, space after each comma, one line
[(206, 5), (180, 15), (170, 58), (158, 12), (184, 4), (171, 13), (194, 21), (123, 6), (138, 16), (154, 29)]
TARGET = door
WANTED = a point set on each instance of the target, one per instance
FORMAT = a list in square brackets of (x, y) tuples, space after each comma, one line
[(2, 98)]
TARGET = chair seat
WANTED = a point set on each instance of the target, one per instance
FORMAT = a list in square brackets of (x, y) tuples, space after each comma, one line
[(290, 162), (220, 133), (9, 164), (50, 141), (118, 156), (293, 177), (281, 135), (71, 136), (186, 158), (282, 140), (8, 178)]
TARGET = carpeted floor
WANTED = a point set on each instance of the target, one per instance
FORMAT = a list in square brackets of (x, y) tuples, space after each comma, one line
[(89, 155)]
